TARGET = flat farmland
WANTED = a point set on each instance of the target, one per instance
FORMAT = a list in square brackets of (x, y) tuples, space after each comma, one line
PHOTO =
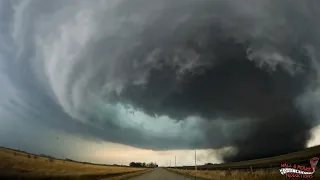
[(21, 165), (266, 168), (237, 175)]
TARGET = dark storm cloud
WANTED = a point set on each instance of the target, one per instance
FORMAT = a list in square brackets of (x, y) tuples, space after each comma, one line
[(234, 88), (166, 75)]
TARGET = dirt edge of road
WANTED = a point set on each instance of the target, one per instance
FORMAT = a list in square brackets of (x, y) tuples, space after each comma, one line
[(186, 175), (129, 175)]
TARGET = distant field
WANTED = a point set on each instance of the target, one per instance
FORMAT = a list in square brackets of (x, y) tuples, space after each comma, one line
[(301, 157), (26, 166), (266, 168), (237, 175)]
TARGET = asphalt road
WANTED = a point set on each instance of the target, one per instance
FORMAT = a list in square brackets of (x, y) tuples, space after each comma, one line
[(160, 174)]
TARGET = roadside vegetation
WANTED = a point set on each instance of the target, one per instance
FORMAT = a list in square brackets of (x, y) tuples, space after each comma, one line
[(21, 165), (236, 175), (266, 168)]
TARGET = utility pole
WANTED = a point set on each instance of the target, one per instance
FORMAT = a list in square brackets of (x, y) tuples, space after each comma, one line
[(170, 163), (195, 159), (175, 161)]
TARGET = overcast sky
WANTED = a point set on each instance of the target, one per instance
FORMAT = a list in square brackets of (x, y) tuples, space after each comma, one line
[(115, 81)]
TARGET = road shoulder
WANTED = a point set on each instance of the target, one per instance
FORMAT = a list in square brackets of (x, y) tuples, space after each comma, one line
[(185, 175), (129, 175)]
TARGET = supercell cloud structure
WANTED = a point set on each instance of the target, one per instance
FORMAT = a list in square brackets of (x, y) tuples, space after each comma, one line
[(162, 74)]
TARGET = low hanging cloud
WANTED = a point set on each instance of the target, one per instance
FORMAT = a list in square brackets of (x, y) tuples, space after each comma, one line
[(165, 74)]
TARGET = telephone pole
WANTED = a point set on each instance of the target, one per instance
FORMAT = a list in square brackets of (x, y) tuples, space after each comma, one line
[(175, 161), (195, 159)]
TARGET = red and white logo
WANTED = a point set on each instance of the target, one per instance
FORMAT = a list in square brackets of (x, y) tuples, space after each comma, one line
[(299, 171)]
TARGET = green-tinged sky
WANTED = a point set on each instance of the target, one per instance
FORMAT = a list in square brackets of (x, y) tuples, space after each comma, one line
[(115, 81)]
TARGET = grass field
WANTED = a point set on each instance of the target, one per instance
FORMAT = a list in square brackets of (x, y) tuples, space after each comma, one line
[(20, 165), (236, 175), (265, 168), (27, 166), (301, 157)]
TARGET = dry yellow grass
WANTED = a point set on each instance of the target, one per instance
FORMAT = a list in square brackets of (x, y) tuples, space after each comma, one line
[(31, 165), (296, 157), (127, 176), (236, 175)]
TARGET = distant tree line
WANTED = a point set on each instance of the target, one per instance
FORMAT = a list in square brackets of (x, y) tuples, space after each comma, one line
[(47, 156), (140, 164), (209, 163)]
